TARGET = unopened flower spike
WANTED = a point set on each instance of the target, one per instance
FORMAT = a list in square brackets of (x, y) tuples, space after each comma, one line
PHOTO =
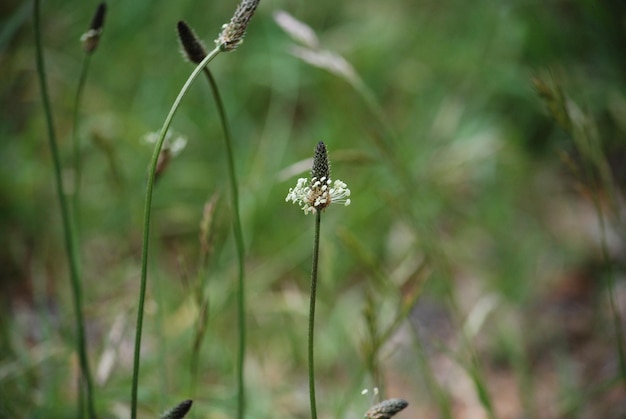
[(320, 190), (233, 32), (179, 411), (193, 47), (91, 38)]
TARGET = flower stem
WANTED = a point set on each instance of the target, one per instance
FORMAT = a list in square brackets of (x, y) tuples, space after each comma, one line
[(234, 194), (316, 249), (146, 226), (70, 244), (76, 141)]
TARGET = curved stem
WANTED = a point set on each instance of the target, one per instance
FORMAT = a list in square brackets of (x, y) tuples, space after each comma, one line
[(146, 226), (238, 231), (70, 245), (316, 249)]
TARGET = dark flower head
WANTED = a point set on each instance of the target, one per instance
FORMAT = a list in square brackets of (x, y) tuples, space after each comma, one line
[(321, 166), (179, 411), (91, 38), (193, 47)]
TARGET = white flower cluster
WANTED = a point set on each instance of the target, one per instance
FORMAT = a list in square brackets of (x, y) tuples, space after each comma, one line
[(313, 195)]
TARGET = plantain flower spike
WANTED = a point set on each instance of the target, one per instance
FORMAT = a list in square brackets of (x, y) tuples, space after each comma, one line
[(233, 32), (91, 38), (386, 409), (179, 411), (192, 46), (320, 191)]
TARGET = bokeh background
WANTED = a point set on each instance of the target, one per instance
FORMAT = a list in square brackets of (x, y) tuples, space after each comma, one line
[(467, 277)]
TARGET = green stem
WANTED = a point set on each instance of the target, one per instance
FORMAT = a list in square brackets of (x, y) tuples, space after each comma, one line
[(76, 140), (146, 226), (480, 385), (70, 245), (234, 194), (316, 250), (203, 317)]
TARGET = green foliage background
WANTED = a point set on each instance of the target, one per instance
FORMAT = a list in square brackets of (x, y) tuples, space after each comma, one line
[(486, 201)]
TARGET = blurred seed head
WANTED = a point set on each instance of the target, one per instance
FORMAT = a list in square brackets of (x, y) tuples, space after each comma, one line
[(179, 411), (327, 60), (367, 390), (299, 31), (91, 38), (554, 99), (233, 32), (193, 47), (386, 409), (173, 144), (310, 51), (206, 226)]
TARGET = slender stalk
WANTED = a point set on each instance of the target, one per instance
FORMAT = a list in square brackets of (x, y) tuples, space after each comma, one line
[(598, 159), (316, 249), (238, 231), (617, 318), (589, 145), (203, 317), (76, 140), (480, 385), (70, 245), (146, 226), (474, 366), (202, 295)]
